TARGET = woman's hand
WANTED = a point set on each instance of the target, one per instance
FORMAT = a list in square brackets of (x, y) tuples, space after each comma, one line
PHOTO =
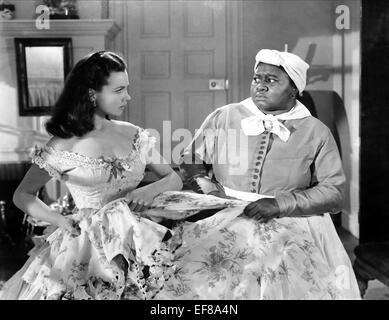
[(221, 194), (69, 225), (140, 199), (207, 186), (263, 210)]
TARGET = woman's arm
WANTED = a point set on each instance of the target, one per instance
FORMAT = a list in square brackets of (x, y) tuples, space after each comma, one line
[(142, 198), (25, 198), (327, 192), (168, 179)]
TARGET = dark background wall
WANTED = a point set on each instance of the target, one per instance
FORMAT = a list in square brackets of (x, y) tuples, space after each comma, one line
[(374, 190)]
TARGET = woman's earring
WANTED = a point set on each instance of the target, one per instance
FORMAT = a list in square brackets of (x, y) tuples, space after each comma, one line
[(92, 98)]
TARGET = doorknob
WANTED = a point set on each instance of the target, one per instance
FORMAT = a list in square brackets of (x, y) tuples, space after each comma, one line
[(218, 84)]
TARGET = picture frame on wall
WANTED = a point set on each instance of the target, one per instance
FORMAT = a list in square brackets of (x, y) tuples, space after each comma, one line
[(42, 65)]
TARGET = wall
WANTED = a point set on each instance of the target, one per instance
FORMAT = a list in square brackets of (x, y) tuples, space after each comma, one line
[(272, 24)]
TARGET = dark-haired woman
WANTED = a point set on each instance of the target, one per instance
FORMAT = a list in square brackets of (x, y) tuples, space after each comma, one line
[(91, 253)]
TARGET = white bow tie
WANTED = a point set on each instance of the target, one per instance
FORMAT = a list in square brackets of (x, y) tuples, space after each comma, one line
[(255, 125), (259, 122)]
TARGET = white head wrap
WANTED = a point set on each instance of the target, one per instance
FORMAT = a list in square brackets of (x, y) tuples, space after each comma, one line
[(294, 66)]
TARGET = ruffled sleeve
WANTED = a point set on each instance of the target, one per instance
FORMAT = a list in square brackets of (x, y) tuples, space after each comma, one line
[(46, 159), (147, 146)]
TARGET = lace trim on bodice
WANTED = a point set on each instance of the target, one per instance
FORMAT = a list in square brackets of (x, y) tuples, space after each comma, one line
[(69, 160), (38, 160)]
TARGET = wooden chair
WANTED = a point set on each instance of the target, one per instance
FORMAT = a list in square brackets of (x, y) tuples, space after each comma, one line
[(328, 107)]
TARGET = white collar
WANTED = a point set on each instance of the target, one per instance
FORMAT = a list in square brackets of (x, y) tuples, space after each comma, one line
[(255, 125), (299, 111)]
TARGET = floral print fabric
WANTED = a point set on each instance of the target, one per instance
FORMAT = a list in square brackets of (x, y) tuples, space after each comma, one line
[(228, 256)]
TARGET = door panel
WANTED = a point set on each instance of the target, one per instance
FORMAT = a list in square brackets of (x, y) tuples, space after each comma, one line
[(156, 106), (155, 19), (201, 102), (174, 48)]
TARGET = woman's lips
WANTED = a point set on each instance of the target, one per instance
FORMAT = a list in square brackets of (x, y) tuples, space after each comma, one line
[(260, 97)]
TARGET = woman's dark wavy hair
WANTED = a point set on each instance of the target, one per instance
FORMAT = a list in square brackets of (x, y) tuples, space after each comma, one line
[(73, 112)]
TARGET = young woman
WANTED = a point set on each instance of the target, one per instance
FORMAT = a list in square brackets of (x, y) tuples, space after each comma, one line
[(91, 255)]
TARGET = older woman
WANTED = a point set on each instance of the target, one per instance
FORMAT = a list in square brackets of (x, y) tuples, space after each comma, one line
[(285, 246)]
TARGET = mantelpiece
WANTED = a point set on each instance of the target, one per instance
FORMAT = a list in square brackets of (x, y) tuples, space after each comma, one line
[(95, 27), (87, 35)]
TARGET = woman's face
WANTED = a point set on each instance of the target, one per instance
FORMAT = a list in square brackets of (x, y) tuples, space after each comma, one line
[(113, 97), (271, 89)]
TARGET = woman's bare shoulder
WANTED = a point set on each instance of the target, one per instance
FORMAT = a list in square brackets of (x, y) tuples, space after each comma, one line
[(58, 143), (125, 127)]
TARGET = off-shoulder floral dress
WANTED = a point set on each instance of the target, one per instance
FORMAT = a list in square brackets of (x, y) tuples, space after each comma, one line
[(82, 267), (221, 256)]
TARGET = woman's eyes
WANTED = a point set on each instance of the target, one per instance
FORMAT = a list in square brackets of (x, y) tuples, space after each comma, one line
[(270, 80)]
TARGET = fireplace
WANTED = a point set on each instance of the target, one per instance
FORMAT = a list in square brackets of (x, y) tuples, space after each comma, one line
[(11, 218)]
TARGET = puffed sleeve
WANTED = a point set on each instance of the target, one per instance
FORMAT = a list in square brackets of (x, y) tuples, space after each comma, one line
[(47, 159)]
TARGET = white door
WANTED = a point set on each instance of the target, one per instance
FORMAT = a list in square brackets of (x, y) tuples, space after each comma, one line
[(174, 49)]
